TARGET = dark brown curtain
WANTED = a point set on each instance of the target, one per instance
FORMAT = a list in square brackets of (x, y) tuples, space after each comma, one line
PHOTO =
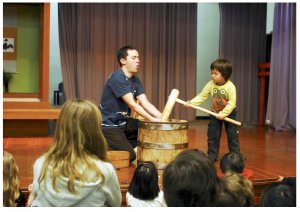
[(243, 42), (281, 110), (90, 35)]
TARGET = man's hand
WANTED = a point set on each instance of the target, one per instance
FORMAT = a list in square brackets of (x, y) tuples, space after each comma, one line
[(156, 119)]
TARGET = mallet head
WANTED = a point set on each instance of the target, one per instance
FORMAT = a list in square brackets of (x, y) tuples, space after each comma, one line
[(170, 104)]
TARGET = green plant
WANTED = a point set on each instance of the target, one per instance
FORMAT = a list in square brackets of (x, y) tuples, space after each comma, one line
[(7, 77)]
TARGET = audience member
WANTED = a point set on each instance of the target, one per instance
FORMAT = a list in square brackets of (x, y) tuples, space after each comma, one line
[(278, 194), (75, 171), (291, 181), (235, 191), (12, 195), (144, 190), (190, 180), (235, 161), (225, 198)]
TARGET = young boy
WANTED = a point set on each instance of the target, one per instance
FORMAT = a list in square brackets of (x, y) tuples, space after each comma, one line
[(223, 94)]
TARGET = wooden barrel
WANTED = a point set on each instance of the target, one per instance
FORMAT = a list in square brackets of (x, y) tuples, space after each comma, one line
[(161, 142), (119, 159)]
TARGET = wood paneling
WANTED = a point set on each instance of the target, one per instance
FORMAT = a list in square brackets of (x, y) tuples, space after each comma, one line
[(25, 128), (31, 114), (25, 105), (28, 122), (20, 95)]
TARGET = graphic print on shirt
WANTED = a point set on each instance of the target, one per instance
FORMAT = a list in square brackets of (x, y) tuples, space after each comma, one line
[(219, 99)]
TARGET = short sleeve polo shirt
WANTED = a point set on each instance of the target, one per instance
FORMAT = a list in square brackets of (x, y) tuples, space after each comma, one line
[(114, 110)]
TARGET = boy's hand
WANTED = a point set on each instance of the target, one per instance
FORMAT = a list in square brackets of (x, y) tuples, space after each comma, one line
[(187, 104), (220, 117)]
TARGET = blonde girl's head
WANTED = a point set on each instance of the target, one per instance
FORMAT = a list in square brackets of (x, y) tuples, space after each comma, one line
[(240, 186), (78, 140), (78, 130), (10, 180)]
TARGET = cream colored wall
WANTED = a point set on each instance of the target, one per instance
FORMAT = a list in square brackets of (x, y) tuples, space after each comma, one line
[(55, 74), (208, 22)]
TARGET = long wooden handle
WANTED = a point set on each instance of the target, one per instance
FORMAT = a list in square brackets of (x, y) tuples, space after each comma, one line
[(209, 112)]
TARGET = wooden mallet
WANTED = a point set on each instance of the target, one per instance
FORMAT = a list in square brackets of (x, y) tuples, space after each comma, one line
[(173, 98)]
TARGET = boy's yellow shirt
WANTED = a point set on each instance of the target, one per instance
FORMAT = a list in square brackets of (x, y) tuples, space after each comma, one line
[(223, 97)]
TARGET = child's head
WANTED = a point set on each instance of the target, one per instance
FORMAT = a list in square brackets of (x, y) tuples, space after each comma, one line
[(144, 184), (241, 187), (190, 180), (222, 66), (233, 161), (78, 130), (278, 195), (10, 180), (236, 191)]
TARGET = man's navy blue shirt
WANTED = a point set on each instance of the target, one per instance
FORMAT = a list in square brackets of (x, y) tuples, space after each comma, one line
[(114, 110)]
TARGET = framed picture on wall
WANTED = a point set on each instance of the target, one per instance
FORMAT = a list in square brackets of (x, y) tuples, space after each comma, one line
[(9, 43)]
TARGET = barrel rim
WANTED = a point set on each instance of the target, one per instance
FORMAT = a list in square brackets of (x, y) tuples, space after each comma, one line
[(172, 121), (164, 126)]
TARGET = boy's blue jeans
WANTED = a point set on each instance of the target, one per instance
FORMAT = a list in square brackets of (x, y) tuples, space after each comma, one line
[(214, 136)]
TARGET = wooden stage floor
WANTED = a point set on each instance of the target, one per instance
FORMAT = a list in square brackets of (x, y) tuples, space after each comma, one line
[(268, 153)]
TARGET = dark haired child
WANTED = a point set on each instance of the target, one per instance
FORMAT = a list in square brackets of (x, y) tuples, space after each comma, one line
[(235, 162), (223, 94), (143, 190), (278, 194), (190, 180)]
